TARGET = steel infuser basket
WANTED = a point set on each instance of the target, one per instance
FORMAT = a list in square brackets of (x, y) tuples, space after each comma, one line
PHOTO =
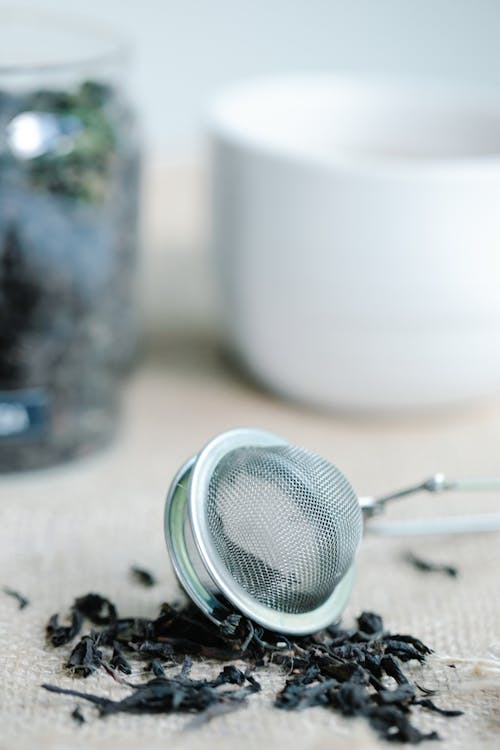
[(259, 526)]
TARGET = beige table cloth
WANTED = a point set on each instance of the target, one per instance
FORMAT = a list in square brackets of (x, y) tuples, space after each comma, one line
[(78, 528)]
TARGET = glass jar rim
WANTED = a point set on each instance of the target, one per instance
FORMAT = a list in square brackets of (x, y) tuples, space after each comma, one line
[(72, 42)]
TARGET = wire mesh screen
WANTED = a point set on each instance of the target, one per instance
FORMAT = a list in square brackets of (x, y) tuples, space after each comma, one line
[(286, 524)]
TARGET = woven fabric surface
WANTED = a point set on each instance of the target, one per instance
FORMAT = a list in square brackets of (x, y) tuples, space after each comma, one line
[(78, 528)]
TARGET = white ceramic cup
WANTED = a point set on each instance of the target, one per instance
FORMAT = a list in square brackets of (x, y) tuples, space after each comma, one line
[(356, 227)]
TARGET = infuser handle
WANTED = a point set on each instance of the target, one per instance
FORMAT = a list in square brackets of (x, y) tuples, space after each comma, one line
[(372, 506), (431, 526)]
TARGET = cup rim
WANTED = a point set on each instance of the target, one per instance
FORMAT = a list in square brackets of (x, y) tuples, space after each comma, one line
[(114, 48), (222, 120)]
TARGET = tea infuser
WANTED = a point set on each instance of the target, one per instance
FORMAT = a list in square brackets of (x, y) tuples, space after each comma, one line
[(261, 526)]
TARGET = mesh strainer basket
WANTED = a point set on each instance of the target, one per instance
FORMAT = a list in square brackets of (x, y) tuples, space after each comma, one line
[(261, 526)]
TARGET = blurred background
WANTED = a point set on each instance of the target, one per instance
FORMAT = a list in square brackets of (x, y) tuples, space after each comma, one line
[(186, 51)]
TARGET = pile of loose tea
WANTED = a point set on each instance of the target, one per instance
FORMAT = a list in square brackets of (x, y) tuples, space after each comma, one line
[(358, 672)]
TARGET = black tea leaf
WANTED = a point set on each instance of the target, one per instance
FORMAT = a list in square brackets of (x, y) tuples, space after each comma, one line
[(144, 577), (426, 566), (21, 600)]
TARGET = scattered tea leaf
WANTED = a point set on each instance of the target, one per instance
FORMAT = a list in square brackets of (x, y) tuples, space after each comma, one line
[(22, 600), (164, 695), (394, 725), (426, 566), (144, 577), (86, 657), (77, 715), (431, 706), (118, 660), (370, 623), (157, 669), (96, 608), (58, 634)]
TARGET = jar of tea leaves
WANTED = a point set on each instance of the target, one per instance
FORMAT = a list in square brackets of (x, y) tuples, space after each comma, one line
[(68, 236)]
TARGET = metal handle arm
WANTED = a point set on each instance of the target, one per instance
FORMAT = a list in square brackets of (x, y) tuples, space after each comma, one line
[(372, 506)]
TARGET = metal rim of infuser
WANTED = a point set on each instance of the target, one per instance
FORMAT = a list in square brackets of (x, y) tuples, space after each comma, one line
[(302, 517)]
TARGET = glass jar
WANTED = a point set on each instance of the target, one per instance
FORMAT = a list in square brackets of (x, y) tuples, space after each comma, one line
[(69, 181)]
